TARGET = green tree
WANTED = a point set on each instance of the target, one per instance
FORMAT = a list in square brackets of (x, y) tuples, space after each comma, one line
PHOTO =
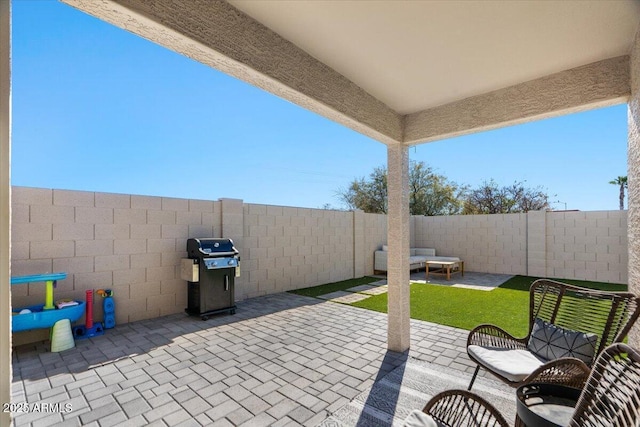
[(369, 195), (622, 182), (489, 198), (430, 193)]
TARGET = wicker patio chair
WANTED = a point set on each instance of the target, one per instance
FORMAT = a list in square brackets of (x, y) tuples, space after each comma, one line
[(460, 408), (610, 398), (612, 394), (567, 308)]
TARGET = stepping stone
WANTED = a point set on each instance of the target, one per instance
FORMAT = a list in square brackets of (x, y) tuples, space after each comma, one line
[(343, 297), (476, 287), (377, 290), (333, 295), (361, 288), (348, 299)]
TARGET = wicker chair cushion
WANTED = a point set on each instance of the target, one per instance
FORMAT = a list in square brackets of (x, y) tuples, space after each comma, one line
[(553, 342), (515, 365), (420, 419)]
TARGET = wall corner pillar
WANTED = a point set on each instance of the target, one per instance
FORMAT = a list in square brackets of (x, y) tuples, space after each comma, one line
[(232, 219), (358, 244), (537, 243)]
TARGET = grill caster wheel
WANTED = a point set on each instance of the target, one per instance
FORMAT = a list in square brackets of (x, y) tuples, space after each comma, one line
[(232, 312), (205, 318)]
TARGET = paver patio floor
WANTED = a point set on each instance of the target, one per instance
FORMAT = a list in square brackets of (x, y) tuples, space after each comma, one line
[(282, 359)]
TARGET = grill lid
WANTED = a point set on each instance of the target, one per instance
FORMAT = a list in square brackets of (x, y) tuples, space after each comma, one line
[(210, 247)]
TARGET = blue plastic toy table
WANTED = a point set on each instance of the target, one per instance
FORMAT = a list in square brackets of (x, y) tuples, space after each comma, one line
[(43, 315)]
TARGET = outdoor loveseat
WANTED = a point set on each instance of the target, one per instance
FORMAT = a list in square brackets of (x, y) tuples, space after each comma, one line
[(417, 258), (568, 327)]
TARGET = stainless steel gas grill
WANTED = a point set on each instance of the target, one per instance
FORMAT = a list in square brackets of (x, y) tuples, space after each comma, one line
[(211, 269)]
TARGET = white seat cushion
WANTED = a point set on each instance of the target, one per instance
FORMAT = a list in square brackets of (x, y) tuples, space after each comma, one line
[(419, 419), (515, 365)]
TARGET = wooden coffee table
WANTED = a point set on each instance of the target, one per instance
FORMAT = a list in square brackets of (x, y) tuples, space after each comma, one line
[(445, 268)]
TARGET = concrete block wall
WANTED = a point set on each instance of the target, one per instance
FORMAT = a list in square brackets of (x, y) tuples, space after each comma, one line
[(569, 245), (131, 244), (486, 243), (290, 248), (587, 245)]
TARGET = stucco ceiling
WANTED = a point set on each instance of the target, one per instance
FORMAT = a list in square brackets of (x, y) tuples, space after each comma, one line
[(416, 55)]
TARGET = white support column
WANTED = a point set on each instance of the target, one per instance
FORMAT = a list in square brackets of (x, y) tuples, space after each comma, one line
[(398, 333), (633, 173), (5, 207)]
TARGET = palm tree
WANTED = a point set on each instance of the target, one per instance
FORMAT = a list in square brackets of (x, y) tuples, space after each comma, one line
[(622, 182)]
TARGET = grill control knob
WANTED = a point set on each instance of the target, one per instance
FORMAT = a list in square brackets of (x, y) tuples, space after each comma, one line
[(230, 262)]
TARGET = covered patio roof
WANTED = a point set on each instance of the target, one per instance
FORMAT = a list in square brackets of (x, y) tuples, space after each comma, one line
[(401, 72), (404, 71)]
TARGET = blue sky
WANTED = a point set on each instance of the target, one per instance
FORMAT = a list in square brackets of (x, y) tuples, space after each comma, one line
[(96, 108)]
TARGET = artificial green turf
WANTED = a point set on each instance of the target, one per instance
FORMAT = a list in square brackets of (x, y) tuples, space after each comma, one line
[(333, 287), (506, 306), (523, 283)]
